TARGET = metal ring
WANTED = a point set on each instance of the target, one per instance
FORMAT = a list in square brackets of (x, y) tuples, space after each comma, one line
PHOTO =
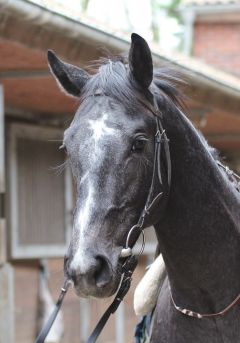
[(130, 232), (143, 238)]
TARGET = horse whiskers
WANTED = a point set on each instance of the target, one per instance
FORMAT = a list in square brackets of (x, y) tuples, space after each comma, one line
[(61, 167)]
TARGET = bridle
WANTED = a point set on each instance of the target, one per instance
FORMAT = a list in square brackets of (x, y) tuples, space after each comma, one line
[(129, 259)]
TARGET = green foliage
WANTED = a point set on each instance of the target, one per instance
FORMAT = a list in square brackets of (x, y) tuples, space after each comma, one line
[(84, 4), (170, 6)]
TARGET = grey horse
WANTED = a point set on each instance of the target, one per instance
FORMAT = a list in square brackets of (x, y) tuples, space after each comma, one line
[(110, 147)]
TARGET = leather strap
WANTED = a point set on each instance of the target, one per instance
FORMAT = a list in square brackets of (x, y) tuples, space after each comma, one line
[(47, 326), (128, 269), (205, 315)]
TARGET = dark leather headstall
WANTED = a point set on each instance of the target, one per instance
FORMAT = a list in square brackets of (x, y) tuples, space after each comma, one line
[(129, 260)]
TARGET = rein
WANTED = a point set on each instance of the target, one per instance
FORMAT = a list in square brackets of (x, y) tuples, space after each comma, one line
[(130, 260), (47, 326)]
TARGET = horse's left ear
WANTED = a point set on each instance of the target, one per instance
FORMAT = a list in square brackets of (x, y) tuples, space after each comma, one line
[(71, 78), (140, 61)]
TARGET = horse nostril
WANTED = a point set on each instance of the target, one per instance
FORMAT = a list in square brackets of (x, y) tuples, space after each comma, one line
[(92, 271), (102, 274)]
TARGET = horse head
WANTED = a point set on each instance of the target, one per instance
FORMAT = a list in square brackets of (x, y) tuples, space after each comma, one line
[(110, 146)]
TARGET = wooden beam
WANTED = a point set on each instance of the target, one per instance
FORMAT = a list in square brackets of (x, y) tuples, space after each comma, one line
[(2, 145), (32, 117), (3, 241), (24, 74), (225, 137), (222, 98)]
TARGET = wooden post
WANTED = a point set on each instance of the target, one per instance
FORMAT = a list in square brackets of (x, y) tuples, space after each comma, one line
[(3, 242), (119, 324), (6, 304), (84, 320), (2, 182), (2, 154), (6, 270)]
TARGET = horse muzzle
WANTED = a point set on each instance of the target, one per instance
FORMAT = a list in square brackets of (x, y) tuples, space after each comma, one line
[(92, 275)]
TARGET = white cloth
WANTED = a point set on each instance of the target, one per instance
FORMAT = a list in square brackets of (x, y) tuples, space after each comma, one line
[(147, 291)]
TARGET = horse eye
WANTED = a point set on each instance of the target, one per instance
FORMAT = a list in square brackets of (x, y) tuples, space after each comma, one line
[(139, 144)]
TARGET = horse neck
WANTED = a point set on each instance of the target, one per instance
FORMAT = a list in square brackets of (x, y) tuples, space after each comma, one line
[(199, 236)]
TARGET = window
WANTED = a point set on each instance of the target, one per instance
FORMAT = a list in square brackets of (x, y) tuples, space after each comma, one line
[(40, 198)]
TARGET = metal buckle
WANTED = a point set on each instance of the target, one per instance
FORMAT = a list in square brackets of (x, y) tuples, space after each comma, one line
[(158, 137)]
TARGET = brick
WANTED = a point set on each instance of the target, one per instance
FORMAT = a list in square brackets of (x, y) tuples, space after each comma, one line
[(218, 44)]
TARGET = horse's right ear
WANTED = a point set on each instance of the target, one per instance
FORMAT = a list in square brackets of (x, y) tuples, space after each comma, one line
[(140, 61), (71, 78)]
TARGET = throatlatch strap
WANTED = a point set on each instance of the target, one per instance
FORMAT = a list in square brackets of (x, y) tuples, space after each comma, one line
[(128, 269)]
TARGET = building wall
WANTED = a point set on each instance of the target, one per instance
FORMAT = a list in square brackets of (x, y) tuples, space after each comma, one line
[(218, 44)]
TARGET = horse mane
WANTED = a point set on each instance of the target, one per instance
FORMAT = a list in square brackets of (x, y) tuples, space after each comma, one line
[(233, 182), (112, 76)]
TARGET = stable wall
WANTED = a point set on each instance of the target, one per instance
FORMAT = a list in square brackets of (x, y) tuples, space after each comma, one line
[(218, 44)]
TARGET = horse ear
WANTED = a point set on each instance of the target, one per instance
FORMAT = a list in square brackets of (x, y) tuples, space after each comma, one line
[(140, 61), (71, 78)]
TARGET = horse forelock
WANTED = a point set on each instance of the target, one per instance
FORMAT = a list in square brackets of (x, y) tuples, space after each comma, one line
[(113, 78)]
